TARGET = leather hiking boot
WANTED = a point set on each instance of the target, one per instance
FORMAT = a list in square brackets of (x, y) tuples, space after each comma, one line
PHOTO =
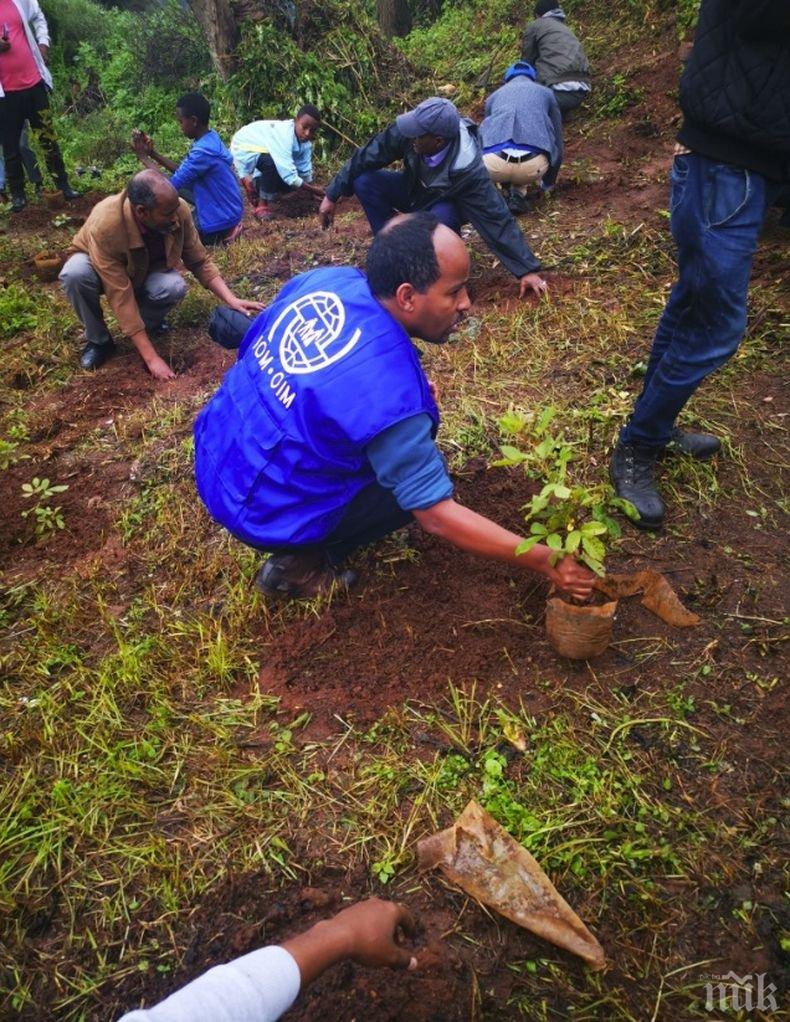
[(631, 472), (300, 576), (18, 203), (68, 192), (696, 445), (95, 355)]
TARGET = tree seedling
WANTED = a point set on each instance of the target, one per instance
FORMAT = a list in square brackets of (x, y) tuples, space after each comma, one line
[(48, 519), (569, 517)]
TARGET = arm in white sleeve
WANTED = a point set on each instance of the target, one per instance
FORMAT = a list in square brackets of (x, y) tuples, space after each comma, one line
[(39, 24), (258, 987)]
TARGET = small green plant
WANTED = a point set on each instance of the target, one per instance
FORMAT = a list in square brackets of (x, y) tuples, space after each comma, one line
[(48, 519), (569, 517), (383, 870), (616, 96), (8, 453), (17, 311)]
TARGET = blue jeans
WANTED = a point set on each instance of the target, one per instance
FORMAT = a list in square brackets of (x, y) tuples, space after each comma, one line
[(717, 211), (383, 194)]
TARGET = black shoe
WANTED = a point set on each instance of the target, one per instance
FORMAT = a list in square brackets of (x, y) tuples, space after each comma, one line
[(68, 191), (517, 204), (696, 445), (163, 328), (18, 203), (631, 472), (300, 576), (95, 355)]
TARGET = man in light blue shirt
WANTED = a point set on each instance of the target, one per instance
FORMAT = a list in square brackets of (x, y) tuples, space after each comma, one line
[(274, 157)]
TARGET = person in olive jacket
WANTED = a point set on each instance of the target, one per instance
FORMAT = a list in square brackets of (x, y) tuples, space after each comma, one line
[(557, 56)]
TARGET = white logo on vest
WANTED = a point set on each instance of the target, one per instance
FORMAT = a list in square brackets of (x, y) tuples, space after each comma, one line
[(311, 333)]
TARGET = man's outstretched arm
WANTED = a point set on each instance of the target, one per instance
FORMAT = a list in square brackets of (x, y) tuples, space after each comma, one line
[(476, 534)]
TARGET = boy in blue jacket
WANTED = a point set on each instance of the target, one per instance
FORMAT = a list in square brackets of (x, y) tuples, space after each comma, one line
[(205, 176)]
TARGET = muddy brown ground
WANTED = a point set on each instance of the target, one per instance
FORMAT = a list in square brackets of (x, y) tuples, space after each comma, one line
[(413, 624)]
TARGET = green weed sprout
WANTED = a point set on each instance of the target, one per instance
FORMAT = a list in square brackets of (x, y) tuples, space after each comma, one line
[(569, 517), (48, 519)]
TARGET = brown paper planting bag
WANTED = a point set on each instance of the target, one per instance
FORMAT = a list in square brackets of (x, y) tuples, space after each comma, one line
[(485, 861)]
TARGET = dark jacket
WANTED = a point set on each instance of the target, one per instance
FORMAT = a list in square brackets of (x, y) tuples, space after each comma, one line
[(555, 52), (461, 178), (735, 90), (526, 113)]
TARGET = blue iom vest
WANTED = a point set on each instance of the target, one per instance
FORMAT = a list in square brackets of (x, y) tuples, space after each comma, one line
[(280, 448)]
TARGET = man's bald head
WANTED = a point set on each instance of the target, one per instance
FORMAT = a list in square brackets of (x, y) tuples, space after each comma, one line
[(418, 268), (154, 200), (406, 250), (148, 188)]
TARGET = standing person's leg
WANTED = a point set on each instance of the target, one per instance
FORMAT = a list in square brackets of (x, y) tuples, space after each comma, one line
[(382, 194), (161, 291), (717, 212), (39, 116), (12, 120), (29, 160)]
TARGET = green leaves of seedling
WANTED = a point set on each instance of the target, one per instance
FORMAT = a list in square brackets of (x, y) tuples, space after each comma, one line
[(569, 517), (48, 519)]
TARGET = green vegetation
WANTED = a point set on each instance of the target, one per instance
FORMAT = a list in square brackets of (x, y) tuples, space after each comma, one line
[(145, 760), (46, 517), (569, 518)]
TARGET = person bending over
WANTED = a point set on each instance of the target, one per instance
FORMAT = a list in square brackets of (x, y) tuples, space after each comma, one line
[(444, 173), (129, 249), (275, 157), (558, 56), (321, 438), (205, 176), (522, 135)]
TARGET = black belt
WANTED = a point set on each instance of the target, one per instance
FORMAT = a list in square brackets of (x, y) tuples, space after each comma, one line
[(516, 159)]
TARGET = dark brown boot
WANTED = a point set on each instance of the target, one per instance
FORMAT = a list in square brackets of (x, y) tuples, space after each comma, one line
[(301, 575)]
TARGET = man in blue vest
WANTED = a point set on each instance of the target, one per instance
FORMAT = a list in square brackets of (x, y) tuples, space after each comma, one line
[(321, 438)]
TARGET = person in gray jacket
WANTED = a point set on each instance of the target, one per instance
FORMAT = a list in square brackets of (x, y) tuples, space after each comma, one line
[(443, 172), (557, 55), (521, 135)]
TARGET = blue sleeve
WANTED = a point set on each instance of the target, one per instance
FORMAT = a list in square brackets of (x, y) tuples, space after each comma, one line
[(192, 167), (407, 461)]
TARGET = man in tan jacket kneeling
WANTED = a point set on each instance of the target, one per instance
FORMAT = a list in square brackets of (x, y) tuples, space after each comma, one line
[(129, 249)]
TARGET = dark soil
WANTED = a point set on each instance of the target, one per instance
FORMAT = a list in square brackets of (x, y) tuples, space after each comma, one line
[(412, 624)]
